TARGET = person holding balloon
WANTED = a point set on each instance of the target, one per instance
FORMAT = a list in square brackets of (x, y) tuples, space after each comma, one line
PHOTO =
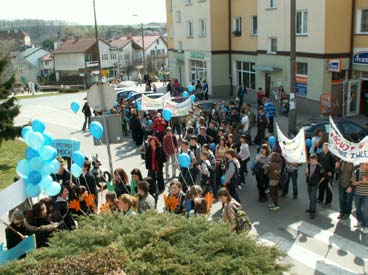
[(86, 110), (65, 178), (186, 161)]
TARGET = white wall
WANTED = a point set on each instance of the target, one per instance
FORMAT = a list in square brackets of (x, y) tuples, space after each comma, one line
[(160, 46), (193, 13), (69, 62), (105, 49), (276, 23)]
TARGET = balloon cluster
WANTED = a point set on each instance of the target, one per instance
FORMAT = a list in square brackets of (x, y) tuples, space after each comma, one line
[(40, 161)]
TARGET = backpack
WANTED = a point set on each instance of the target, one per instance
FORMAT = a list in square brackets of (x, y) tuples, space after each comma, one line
[(209, 179), (235, 179), (243, 223)]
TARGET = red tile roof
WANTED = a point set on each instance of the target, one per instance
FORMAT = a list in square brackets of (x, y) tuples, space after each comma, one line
[(12, 35), (80, 45), (119, 43), (148, 39), (46, 57)]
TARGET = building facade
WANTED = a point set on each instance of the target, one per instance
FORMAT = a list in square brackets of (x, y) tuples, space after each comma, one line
[(248, 42)]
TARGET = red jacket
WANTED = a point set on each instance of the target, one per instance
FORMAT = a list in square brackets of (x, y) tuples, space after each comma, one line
[(159, 124), (170, 144)]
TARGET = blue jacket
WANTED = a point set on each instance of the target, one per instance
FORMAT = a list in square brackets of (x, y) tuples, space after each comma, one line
[(270, 109)]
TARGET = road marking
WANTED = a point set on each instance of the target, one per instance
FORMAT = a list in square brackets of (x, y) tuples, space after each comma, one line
[(330, 238), (305, 256)]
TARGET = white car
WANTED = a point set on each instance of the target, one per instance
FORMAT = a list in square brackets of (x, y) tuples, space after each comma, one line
[(127, 84)]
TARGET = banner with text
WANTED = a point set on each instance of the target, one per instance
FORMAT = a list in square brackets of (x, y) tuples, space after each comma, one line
[(346, 150), (26, 245), (293, 150), (148, 103), (12, 196), (66, 147), (179, 109)]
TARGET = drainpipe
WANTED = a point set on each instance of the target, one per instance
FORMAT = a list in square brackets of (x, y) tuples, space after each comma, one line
[(230, 50), (352, 39)]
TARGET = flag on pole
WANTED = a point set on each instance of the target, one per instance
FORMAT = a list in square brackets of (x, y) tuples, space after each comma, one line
[(293, 150)]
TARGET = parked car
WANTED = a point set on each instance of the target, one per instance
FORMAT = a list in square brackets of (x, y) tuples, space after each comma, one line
[(124, 94), (346, 127), (205, 105), (126, 84)]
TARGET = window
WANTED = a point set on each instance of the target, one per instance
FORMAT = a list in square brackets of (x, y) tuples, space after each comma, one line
[(163, 51), (202, 27), (189, 28), (246, 73), (158, 51), (188, 2), (254, 22), (105, 56), (180, 46), (46, 63), (272, 4), (273, 46), (178, 17), (126, 56), (301, 22), (171, 5), (113, 56), (237, 23), (88, 57), (152, 52), (362, 21), (302, 68), (198, 70)]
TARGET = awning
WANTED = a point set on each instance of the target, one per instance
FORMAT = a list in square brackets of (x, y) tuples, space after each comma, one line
[(267, 68)]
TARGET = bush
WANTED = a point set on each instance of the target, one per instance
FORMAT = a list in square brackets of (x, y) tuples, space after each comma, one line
[(150, 244), (69, 90)]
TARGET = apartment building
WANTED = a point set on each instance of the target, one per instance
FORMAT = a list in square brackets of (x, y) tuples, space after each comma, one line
[(248, 41)]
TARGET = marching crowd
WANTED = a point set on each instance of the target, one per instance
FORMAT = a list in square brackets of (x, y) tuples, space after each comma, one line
[(218, 147)]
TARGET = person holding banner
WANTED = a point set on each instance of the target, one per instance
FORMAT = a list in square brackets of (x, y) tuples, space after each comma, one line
[(345, 170), (327, 160), (16, 231)]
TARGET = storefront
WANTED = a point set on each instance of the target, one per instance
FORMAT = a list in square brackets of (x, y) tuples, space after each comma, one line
[(197, 66), (357, 90)]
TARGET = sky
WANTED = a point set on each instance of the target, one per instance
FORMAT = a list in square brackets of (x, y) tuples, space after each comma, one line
[(109, 12)]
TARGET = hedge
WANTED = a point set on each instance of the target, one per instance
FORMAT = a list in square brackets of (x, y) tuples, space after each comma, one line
[(150, 244)]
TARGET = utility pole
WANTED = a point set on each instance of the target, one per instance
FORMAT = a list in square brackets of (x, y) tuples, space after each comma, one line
[(292, 103), (101, 91), (144, 53)]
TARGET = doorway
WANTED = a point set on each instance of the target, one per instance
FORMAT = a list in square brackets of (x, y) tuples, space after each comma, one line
[(267, 84), (352, 98), (364, 98)]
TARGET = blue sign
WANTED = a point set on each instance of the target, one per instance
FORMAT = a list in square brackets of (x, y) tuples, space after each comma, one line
[(361, 58), (334, 65), (66, 147), (301, 85)]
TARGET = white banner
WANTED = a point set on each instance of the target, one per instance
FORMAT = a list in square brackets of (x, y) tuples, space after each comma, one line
[(293, 150), (179, 109), (12, 196), (148, 103), (346, 150)]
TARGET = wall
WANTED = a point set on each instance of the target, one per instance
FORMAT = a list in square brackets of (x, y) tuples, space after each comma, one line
[(220, 76), (244, 9), (69, 62), (169, 24), (219, 25)]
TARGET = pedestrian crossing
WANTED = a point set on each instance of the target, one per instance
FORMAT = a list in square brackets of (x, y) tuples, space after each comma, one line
[(320, 249)]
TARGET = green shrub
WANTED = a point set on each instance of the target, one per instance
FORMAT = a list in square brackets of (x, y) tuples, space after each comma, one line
[(69, 90), (150, 244)]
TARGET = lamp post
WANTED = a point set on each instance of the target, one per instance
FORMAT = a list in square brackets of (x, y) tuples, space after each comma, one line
[(292, 106), (143, 50)]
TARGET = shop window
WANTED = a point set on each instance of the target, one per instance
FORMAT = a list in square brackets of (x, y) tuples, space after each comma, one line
[(302, 22), (302, 68), (237, 26), (246, 74), (198, 70)]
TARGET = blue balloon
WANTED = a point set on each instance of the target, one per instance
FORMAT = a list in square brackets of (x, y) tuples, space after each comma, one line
[(127, 111), (96, 129), (78, 158), (167, 114), (48, 153), (150, 122), (53, 190), (38, 125), (190, 88), (185, 94), (223, 180), (35, 140), (34, 177), (130, 95), (53, 167), (138, 106), (36, 163), (74, 106), (76, 170), (184, 160), (126, 119), (48, 139), (272, 140), (33, 190), (116, 104), (23, 168), (213, 146), (45, 182), (192, 98), (25, 130), (308, 142), (30, 153)]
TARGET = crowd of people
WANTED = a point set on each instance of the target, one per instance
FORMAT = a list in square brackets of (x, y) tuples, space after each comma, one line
[(219, 146)]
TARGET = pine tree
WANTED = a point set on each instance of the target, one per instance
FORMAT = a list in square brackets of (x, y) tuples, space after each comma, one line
[(9, 107)]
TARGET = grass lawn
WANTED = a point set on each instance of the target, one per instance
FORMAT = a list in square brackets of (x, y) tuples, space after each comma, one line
[(11, 151)]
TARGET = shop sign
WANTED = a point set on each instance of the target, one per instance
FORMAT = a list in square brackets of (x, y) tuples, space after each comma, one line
[(334, 65), (196, 55), (361, 57), (301, 85), (325, 104)]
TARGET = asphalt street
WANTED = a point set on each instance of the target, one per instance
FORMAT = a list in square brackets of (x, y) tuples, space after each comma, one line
[(324, 245)]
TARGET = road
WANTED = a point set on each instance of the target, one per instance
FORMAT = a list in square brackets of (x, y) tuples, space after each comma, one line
[(324, 245)]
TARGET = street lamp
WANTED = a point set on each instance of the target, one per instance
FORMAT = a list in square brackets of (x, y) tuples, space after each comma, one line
[(143, 50)]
